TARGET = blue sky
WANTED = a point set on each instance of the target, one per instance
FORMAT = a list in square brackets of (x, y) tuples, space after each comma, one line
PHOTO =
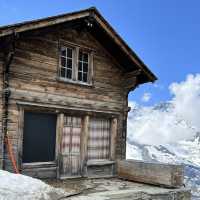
[(165, 34)]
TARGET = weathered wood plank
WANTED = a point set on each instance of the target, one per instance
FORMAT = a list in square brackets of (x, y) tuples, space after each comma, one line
[(151, 173), (59, 132), (84, 142), (113, 140)]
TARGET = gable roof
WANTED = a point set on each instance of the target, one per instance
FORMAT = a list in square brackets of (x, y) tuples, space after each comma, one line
[(97, 26)]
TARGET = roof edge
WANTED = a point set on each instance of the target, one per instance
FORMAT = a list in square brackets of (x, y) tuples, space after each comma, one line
[(92, 11), (128, 50)]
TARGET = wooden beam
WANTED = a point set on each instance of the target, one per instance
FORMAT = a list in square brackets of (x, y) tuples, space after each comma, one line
[(84, 142), (18, 28), (113, 140), (20, 133), (59, 132), (161, 174), (48, 106), (119, 41), (130, 79)]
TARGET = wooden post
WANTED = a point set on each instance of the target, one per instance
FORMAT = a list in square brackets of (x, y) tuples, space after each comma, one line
[(113, 138), (59, 132), (20, 133), (84, 141)]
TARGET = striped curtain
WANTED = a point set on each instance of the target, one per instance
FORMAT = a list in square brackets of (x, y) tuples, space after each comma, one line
[(99, 139), (70, 147)]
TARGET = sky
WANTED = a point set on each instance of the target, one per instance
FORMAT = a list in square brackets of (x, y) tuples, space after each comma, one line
[(164, 34), (172, 121)]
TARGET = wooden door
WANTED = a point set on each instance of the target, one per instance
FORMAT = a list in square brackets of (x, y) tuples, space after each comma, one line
[(70, 147)]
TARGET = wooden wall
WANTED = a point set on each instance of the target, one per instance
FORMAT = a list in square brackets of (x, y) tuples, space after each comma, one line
[(1, 87), (34, 80)]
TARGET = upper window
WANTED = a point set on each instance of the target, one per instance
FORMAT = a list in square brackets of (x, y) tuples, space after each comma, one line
[(83, 66), (75, 65), (66, 63)]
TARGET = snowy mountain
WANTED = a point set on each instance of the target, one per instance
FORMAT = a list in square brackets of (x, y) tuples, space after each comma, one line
[(159, 134)]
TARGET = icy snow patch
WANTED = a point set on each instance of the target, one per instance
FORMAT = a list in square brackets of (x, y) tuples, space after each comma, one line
[(133, 152), (20, 187)]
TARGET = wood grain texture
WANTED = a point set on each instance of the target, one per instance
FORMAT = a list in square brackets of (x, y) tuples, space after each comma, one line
[(84, 143), (1, 112), (113, 139), (34, 81), (167, 175)]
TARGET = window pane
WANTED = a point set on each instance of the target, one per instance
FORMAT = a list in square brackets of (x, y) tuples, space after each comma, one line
[(84, 77), (80, 76), (62, 72), (63, 61), (80, 66), (63, 52), (69, 73), (69, 53), (80, 55), (85, 67), (69, 63), (66, 62), (85, 57)]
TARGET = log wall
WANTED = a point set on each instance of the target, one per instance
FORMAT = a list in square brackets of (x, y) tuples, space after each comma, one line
[(34, 80), (1, 87)]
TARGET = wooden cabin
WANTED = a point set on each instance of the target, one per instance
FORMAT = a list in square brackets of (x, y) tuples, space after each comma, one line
[(64, 87)]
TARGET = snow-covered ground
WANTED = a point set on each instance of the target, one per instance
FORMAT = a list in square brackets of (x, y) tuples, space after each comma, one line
[(20, 187)]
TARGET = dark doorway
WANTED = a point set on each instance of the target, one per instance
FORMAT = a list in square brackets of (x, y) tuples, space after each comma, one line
[(39, 137)]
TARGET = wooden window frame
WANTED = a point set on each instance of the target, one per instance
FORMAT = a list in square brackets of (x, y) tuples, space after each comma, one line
[(75, 61), (66, 58)]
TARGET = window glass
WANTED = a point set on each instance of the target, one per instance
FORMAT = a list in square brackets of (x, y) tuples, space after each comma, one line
[(66, 63), (68, 67), (83, 66)]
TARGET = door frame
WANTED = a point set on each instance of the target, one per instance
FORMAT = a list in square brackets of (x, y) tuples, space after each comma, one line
[(21, 165)]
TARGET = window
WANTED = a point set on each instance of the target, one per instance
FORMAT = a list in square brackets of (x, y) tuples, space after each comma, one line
[(75, 65), (83, 66), (99, 139), (66, 69)]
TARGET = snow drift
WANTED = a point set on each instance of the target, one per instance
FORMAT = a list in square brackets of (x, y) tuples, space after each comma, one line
[(20, 187)]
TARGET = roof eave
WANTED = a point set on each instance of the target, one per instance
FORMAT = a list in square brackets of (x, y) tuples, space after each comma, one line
[(50, 21)]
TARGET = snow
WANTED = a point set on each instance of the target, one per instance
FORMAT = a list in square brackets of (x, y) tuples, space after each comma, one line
[(183, 152), (169, 132), (133, 152), (20, 187), (171, 121)]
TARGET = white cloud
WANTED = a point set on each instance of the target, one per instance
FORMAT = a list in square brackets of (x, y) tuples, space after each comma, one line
[(146, 97), (158, 86), (180, 121), (187, 99)]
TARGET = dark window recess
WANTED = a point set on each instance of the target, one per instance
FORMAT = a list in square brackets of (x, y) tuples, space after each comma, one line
[(66, 63), (39, 137), (83, 66)]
